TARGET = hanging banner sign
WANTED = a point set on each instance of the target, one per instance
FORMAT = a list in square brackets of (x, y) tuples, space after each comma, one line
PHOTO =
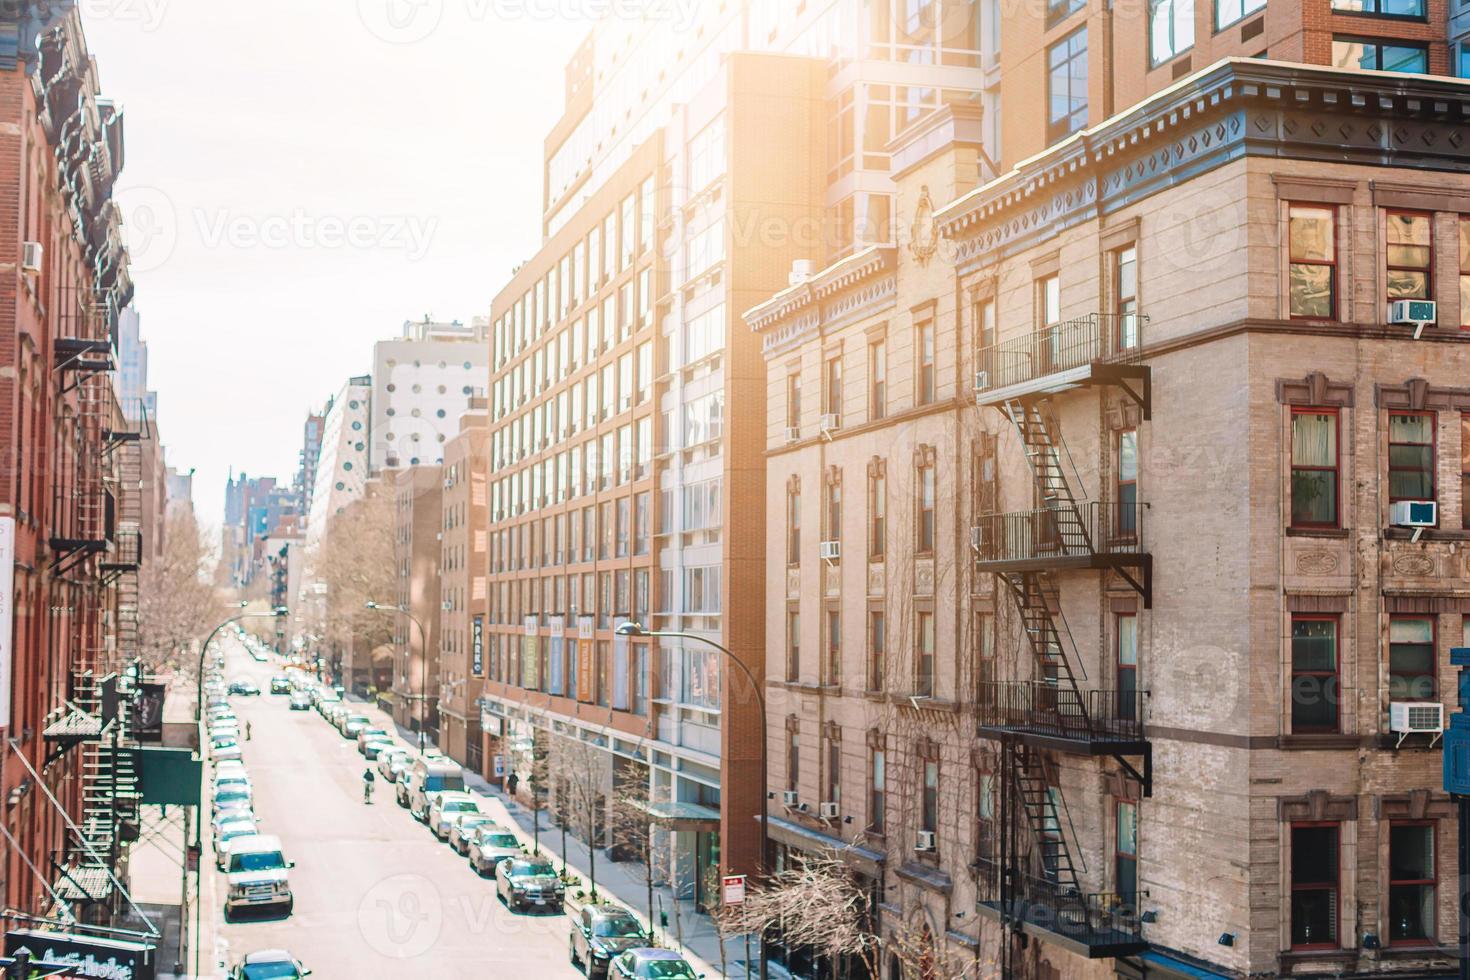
[(88, 956)]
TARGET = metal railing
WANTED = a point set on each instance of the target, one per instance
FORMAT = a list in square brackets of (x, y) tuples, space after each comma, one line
[(1110, 338), (1039, 708), (1093, 919), (1093, 528)]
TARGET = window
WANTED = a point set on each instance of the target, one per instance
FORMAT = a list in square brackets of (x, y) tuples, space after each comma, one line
[(1312, 276), (924, 656), (793, 400), (834, 386), (793, 755), (1125, 297), (1411, 659), (1125, 852), (1049, 300), (1313, 468), (834, 647), (1352, 52), (924, 341), (877, 789), (1066, 86), (1411, 457), (1314, 868), (834, 770), (1126, 525), (1170, 29), (1127, 633), (793, 646), (1410, 254), (926, 509), (1057, 10), (1412, 883), (878, 513), (1314, 684), (793, 526), (878, 366), (877, 649), (1382, 8), (1465, 470), (834, 511), (1228, 12), (931, 796)]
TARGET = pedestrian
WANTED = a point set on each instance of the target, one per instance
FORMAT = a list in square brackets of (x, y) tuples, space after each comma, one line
[(247, 730), (510, 784)]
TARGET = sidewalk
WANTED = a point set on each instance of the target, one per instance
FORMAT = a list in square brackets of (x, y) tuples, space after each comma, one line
[(690, 932)]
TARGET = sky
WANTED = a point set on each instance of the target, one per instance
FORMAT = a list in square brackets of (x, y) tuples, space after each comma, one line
[(301, 178)]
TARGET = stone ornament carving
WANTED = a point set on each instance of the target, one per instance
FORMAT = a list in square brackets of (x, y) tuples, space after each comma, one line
[(793, 583), (1316, 563), (833, 576), (924, 577), (924, 233), (1415, 566), (877, 579)]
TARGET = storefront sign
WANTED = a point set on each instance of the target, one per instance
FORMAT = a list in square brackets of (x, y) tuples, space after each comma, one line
[(477, 646), (7, 613), (498, 767), (734, 889), (88, 956)]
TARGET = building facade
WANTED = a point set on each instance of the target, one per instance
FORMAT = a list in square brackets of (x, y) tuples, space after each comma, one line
[(464, 565), (418, 509), (342, 466), (422, 383)]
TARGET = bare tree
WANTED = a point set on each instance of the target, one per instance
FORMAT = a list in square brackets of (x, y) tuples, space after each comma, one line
[(582, 773), (530, 762), (177, 605), (355, 564), (632, 831)]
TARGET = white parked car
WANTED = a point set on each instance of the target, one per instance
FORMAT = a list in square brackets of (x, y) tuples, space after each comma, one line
[(445, 806), (258, 875)]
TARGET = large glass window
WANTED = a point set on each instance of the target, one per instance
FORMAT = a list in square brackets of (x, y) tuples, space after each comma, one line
[(1314, 875), (1410, 254), (1411, 456), (1382, 8), (1314, 685), (1312, 286), (1126, 852), (877, 789), (1350, 52), (931, 796), (1228, 12), (1313, 468), (1127, 630), (1170, 29), (1066, 85), (1413, 883), (1411, 660), (924, 659)]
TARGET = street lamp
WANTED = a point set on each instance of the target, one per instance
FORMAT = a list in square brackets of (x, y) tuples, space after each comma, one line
[(276, 613), (633, 629), (423, 663)]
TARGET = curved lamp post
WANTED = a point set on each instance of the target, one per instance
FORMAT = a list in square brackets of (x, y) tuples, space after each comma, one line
[(423, 663), (278, 612)]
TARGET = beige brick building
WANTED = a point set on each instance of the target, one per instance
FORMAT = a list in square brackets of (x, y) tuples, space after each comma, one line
[(1087, 593), (463, 565), (417, 495)]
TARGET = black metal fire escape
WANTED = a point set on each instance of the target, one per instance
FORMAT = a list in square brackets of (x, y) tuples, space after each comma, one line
[(1039, 889)]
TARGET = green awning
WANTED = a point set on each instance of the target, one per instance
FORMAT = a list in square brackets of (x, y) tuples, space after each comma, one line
[(170, 775), (682, 816)]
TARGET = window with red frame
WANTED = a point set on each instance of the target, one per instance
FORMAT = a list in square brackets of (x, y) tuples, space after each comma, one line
[(1312, 272), (1411, 659), (1126, 525), (1314, 683), (1314, 885), (1411, 456), (1413, 884), (1125, 852), (1410, 255), (1314, 465), (1127, 633)]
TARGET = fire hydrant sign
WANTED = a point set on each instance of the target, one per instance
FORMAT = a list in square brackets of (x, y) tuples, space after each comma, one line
[(734, 889)]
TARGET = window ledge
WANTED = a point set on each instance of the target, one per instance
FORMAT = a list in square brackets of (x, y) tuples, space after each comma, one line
[(1430, 534), (1318, 532), (1405, 951), (1305, 956), (1325, 740)]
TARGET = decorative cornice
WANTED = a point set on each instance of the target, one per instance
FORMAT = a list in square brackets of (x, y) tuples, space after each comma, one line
[(827, 296)]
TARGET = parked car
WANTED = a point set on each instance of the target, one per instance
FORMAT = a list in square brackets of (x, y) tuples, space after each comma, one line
[(387, 760), (524, 882), (601, 932), (369, 732), (489, 845), (232, 777), (231, 830), (225, 816), (245, 688), (375, 746), (647, 963), (300, 701), (269, 964), (280, 684), (227, 797), (221, 749), (353, 723), (461, 826), (432, 774), (258, 874), (443, 807)]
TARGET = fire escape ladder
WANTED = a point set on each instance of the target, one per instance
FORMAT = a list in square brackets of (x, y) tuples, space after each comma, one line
[(1038, 802), (1034, 604), (1044, 451)]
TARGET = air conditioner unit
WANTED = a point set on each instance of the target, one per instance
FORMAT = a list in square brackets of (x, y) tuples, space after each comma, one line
[(1416, 313), (982, 380), (789, 797), (831, 422), (924, 841), (793, 433), (30, 257), (828, 811), (831, 550), (1413, 513), (1415, 717)]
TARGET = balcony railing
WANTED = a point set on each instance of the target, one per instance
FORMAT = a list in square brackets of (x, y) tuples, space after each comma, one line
[(1104, 922), (1108, 338), (1094, 528), (1039, 708)]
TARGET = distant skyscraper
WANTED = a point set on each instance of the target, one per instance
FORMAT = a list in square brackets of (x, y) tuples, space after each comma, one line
[(422, 384), (311, 453), (131, 378), (342, 467)]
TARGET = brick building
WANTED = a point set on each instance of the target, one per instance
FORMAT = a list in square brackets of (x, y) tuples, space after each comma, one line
[(70, 514), (417, 495), (463, 567)]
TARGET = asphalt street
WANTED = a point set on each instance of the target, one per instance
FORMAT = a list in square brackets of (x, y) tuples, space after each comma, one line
[(376, 894)]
